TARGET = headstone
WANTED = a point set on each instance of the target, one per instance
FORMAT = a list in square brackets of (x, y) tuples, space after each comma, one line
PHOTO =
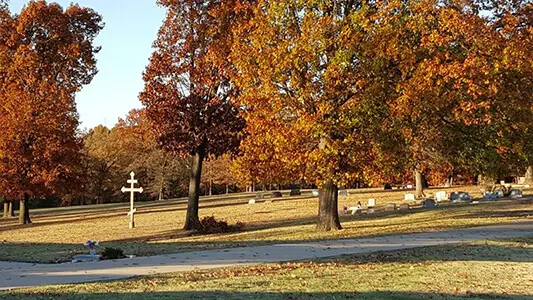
[(371, 203), (354, 209), (276, 194), (132, 191), (391, 207), (92, 256), (460, 197), (85, 258), (344, 193), (490, 196), (251, 201), (409, 197), (315, 192), (387, 187), (404, 206), (260, 196), (409, 186), (499, 193), (516, 194), (295, 192), (441, 196), (429, 203)]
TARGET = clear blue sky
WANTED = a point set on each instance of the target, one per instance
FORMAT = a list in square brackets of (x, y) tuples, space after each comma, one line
[(126, 40)]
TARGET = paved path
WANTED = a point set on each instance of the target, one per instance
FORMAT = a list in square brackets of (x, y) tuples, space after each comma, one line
[(15, 275)]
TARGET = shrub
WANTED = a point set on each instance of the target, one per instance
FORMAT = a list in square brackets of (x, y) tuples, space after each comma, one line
[(209, 225), (112, 253)]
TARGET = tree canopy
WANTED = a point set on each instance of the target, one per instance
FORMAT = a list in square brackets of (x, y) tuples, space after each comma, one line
[(46, 56)]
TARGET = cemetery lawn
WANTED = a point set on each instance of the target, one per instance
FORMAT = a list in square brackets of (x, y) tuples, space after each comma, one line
[(58, 234), (477, 270)]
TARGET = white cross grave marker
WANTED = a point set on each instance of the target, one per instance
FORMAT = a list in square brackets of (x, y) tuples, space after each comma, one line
[(132, 191)]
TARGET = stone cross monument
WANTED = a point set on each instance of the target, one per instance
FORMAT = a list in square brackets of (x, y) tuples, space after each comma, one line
[(132, 191)]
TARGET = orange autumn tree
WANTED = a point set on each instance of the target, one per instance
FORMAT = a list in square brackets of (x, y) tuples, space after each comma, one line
[(460, 87), (274, 151), (514, 21), (47, 55), (302, 63), (187, 90)]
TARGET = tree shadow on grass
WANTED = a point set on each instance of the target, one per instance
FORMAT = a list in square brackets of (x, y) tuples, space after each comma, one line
[(517, 253), (94, 214), (519, 250), (52, 252), (374, 295)]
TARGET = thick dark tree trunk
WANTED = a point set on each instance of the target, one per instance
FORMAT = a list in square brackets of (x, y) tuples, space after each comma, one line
[(450, 181), (419, 192), (328, 213), (24, 210), (162, 181), (11, 212), (191, 220), (6, 209)]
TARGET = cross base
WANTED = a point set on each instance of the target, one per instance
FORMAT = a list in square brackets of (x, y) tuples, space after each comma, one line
[(132, 218)]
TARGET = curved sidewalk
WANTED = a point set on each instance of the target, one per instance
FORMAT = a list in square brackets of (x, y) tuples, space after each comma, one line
[(16, 275)]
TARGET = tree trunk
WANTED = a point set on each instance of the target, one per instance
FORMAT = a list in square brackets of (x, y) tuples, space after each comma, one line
[(529, 175), (191, 220), (160, 193), (162, 181), (211, 188), (450, 181), (419, 192), (227, 189), (24, 210), (11, 212), (6, 209), (328, 212)]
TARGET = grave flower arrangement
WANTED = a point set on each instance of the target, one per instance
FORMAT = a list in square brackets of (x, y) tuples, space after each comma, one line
[(92, 245)]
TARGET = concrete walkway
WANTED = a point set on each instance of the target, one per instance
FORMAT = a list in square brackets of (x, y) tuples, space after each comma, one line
[(16, 275)]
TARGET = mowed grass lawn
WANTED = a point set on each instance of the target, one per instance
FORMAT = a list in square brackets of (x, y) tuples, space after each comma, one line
[(479, 270), (58, 234)]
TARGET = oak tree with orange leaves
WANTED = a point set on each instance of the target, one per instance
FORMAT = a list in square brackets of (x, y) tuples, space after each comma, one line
[(463, 80), (46, 56), (301, 63), (187, 90)]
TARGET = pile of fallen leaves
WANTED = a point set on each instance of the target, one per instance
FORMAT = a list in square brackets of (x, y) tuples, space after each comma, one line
[(209, 225)]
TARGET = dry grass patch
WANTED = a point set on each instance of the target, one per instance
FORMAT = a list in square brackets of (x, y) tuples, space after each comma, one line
[(58, 234)]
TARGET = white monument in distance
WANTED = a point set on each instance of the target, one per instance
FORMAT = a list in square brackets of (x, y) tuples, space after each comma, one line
[(132, 181)]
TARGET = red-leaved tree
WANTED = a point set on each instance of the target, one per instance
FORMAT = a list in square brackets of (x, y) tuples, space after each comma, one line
[(187, 90)]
